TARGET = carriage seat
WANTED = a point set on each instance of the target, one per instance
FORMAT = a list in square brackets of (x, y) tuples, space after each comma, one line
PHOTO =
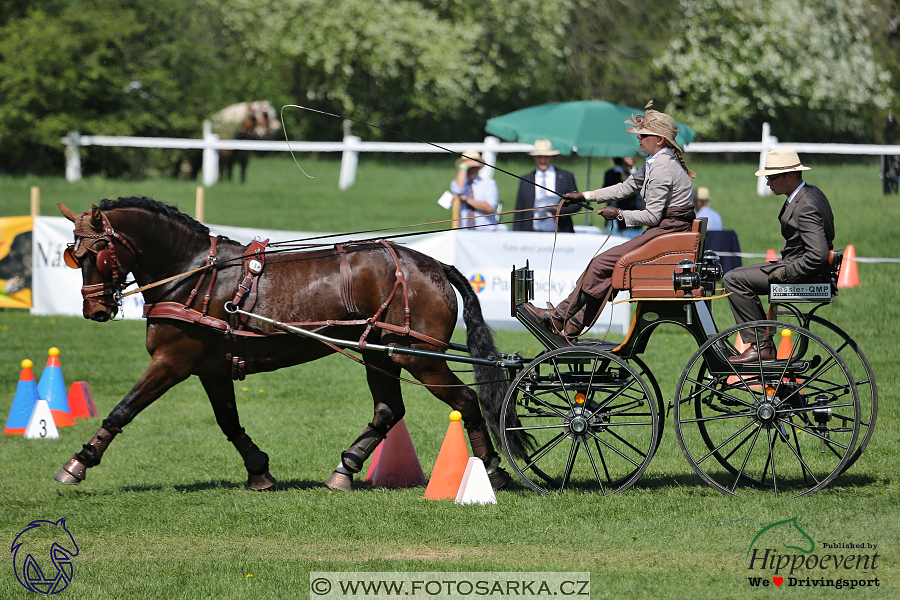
[(646, 271)]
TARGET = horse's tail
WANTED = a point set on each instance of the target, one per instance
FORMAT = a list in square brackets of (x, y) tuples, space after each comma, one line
[(492, 381)]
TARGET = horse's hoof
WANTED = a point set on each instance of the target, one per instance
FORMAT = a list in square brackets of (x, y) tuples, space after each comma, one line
[(499, 479), (261, 482), (63, 476), (340, 482), (72, 473)]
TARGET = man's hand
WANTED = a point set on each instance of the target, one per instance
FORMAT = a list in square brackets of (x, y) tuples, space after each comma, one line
[(609, 212), (570, 197), (778, 275)]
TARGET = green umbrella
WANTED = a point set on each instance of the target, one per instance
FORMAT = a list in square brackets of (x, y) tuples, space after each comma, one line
[(585, 128)]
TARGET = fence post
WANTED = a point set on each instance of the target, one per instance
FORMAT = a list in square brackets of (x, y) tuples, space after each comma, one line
[(200, 204), (349, 161), (768, 142), (491, 144), (35, 201), (73, 156), (210, 155)]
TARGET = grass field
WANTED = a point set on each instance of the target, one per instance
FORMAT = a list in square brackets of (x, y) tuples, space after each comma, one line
[(166, 514)]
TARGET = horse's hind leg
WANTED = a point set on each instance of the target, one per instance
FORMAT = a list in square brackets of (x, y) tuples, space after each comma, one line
[(389, 410), (220, 390), (446, 386)]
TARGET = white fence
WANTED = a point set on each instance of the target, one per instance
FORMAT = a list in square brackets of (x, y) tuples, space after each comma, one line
[(352, 145)]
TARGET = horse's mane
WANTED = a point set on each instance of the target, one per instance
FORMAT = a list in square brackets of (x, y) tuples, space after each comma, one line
[(158, 208)]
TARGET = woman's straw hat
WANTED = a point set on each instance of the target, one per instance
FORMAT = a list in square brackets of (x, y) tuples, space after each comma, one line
[(543, 148), (654, 123), (781, 160)]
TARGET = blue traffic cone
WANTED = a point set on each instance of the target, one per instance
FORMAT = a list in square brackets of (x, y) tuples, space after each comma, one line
[(52, 388), (23, 402)]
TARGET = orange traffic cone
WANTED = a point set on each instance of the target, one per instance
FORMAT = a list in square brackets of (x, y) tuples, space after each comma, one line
[(848, 277), (771, 256), (451, 462), (785, 348), (398, 464), (81, 402), (739, 344)]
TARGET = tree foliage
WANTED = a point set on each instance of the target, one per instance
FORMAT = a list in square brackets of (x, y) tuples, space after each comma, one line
[(430, 67), (806, 67), (434, 69)]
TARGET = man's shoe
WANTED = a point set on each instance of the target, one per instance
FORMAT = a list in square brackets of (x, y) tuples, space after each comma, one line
[(765, 352)]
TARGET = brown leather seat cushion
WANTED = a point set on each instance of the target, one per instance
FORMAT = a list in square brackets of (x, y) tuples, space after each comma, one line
[(646, 272)]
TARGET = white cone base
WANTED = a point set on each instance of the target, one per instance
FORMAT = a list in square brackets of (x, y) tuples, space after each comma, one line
[(475, 487), (40, 424)]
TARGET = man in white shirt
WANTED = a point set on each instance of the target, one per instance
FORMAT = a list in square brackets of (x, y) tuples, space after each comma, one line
[(701, 206), (478, 196)]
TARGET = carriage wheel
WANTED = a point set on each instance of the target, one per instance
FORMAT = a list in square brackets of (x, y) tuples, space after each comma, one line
[(644, 372), (593, 419), (788, 425), (863, 377)]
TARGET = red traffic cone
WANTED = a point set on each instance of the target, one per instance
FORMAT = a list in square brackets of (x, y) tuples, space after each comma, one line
[(451, 462), (771, 256), (81, 402), (373, 461), (848, 277), (23, 403), (785, 348), (52, 388), (397, 464)]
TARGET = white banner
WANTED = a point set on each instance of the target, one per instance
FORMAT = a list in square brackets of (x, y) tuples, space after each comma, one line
[(485, 258)]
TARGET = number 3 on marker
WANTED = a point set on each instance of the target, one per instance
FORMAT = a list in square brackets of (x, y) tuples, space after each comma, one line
[(43, 428)]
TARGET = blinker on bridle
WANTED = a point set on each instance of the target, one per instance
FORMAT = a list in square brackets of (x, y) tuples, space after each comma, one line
[(105, 260)]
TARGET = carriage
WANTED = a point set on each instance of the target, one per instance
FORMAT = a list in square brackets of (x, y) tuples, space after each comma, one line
[(584, 415)]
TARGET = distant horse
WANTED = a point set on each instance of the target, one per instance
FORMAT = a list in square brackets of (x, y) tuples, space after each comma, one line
[(244, 121), (374, 292)]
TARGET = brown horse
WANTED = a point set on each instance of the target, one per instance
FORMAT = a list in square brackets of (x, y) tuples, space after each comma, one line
[(375, 293)]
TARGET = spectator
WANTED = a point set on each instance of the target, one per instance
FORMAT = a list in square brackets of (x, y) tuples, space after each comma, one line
[(622, 169), (478, 196), (701, 205), (541, 190)]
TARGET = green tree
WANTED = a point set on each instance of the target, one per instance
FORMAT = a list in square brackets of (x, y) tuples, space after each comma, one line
[(427, 68), (806, 67), (114, 67)]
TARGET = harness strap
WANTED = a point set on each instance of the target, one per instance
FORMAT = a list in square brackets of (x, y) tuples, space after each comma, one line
[(254, 261), (346, 282)]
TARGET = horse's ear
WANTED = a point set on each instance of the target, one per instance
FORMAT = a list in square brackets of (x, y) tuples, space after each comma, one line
[(96, 218), (67, 212)]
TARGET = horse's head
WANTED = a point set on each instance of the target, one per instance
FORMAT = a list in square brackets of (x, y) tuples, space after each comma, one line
[(255, 120), (105, 258)]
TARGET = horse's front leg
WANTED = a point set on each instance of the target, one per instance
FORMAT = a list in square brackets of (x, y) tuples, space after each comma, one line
[(389, 409), (162, 374), (220, 390)]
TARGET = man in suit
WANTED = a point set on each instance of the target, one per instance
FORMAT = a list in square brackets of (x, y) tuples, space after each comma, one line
[(623, 167), (533, 195), (807, 226)]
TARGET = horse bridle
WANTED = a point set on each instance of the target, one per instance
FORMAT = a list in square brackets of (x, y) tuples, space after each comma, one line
[(107, 294)]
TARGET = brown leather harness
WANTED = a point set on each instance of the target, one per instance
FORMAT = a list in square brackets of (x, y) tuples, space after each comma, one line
[(246, 295)]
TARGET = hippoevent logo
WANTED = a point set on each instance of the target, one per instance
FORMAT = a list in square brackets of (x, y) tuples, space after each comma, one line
[(477, 281), (42, 556), (784, 554)]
